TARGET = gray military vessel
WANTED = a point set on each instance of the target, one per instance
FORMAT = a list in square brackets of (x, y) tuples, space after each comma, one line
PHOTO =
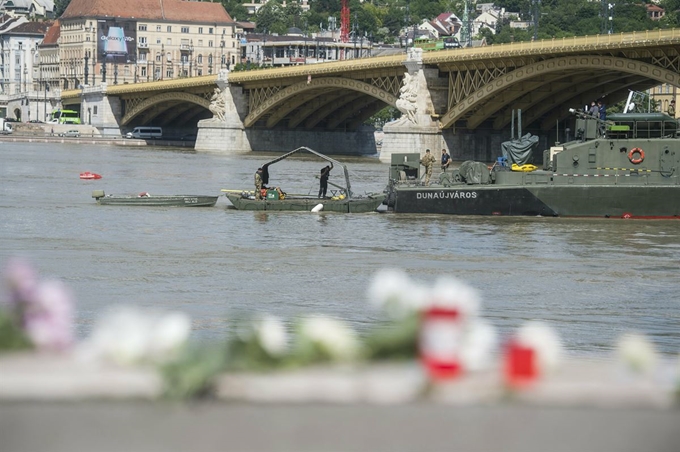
[(624, 167)]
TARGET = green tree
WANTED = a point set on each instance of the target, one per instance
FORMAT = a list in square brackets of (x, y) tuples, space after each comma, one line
[(60, 6), (235, 9), (271, 18)]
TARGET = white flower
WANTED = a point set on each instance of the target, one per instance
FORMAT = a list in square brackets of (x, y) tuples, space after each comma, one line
[(131, 336), (452, 293), (637, 352), (170, 331), (478, 345), (332, 336), (545, 342), (394, 292), (272, 336)]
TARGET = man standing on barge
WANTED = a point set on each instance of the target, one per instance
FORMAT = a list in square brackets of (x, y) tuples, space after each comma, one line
[(428, 162)]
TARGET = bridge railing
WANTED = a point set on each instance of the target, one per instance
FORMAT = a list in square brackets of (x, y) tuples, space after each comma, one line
[(651, 37)]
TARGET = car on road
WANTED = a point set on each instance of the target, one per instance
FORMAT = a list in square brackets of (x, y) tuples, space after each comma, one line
[(36, 121), (70, 133)]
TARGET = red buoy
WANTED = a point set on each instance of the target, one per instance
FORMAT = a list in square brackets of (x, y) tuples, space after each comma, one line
[(89, 175)]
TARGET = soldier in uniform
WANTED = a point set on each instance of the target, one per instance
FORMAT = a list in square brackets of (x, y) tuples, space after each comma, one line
[(259, 184), (428, 162)]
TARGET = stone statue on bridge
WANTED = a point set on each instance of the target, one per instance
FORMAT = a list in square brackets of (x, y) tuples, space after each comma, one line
[(408, 98), (218, 106)]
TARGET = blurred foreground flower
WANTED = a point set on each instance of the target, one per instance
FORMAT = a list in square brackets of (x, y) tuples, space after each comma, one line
[(322, 339), (132, 336), (533, 352), (438, 324), (259, 344), (637, 353), (40, 311), (393, 292)]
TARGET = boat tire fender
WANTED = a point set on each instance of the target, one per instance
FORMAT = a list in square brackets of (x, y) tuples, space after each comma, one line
[(635, 160)]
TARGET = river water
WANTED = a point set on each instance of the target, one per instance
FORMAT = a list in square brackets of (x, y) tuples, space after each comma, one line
[(592, 279)]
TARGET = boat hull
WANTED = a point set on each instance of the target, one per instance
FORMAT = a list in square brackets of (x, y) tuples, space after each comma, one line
[(298, 204), (631, 201), (159, 201)]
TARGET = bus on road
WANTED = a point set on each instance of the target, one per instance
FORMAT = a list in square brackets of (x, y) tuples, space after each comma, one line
[(65, 117)]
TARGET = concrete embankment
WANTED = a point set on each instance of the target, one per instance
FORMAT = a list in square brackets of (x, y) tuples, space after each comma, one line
[(93, 140), (50, 133)]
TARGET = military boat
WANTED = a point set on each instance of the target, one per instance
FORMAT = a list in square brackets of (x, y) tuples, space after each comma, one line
[(624, 167), (148, 200), (344, 200)]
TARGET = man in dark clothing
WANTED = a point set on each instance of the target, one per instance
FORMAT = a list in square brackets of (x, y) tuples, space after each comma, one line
[(446, 159), (602, 110), (323, 180)]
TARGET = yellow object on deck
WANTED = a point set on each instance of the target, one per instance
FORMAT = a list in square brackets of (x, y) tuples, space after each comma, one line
[(525, 168)]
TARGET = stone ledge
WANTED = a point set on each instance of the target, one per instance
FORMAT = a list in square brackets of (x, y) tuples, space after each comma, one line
[(592, 384)]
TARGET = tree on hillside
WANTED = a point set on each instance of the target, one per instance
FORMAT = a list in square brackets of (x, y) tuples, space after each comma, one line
[(271, 18), (60, 7), (235, 9)]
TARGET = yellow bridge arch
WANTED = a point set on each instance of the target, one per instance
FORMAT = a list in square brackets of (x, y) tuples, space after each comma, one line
[(288, 99), (488, 99), (172, 96)]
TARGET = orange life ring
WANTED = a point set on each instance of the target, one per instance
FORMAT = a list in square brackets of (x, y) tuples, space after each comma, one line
[(634, 151)]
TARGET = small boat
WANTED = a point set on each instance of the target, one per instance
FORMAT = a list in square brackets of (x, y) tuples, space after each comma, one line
[(89, 176), (344, 200), (145, 199)]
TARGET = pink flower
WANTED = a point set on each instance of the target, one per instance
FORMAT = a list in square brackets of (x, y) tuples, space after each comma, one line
[(48, 317), (21, 281)]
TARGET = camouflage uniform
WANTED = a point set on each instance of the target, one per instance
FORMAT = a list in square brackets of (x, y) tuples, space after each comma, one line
[(258, 185), (428, 162)]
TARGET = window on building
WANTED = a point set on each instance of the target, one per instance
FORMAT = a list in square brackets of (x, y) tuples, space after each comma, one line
[(200, 72), (200, 43), (200, 30), (210, 60), (210, 31), (158, 41), (168, 73), (210, 44), (158, 28), (142, 56), (142, 39), (169, 56), (94, 110), (143, 71), (158, 57), (169, 41), (200, 59), (142, 27), (185, 30), (169, 28)]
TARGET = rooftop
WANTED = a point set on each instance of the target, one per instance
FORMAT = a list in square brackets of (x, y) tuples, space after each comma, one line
[(161, 10)]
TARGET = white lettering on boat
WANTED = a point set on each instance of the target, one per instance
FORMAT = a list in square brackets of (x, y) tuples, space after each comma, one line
[(447, 195), (190, 200)]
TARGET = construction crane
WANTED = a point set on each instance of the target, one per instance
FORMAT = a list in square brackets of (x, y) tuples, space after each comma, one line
[(344, 21)]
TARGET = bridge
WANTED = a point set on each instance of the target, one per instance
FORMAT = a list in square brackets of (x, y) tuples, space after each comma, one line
[(448, 97)]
